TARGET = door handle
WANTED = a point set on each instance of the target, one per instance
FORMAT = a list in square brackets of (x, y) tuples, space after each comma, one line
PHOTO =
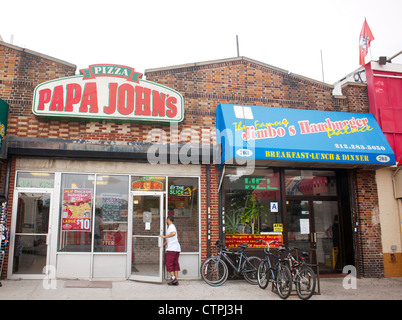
[(160, 242), (314, 237)]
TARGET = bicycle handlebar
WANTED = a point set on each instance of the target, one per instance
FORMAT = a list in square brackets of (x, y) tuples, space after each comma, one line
[(220, 245), (268, 243)]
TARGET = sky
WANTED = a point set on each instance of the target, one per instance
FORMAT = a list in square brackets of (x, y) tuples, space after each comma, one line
[(287, 34)]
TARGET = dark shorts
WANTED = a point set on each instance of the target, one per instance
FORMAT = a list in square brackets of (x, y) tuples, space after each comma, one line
[(172, 261)]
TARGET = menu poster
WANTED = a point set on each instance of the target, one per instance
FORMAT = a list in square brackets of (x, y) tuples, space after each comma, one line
[(77, 208), (111, 206), (233, 240)]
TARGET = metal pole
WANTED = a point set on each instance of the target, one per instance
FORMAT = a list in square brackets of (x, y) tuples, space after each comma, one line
[(237, 44), (208, 212), (322, 67)]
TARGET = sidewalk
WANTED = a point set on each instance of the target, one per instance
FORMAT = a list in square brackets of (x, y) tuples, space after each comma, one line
[(331, 289)]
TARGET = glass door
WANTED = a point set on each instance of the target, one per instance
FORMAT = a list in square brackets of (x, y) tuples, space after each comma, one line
[(313, 227), (326, 234), (31, 238), (299, 226), (147, 246)]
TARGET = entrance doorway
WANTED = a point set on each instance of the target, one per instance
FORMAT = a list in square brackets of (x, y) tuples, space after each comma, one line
[(31, 243), (147, 246), (314, 224)]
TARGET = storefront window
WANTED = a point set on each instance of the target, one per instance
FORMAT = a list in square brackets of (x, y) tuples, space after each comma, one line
[(111, 212), (183, 205), (77, 194), (252, 203), (310, 182), (35, 180)]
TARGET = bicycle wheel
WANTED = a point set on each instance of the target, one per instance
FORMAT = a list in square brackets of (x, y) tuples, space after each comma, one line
[(250, 265), (214, 271), (263, 274), (283, 281), (305, 283)]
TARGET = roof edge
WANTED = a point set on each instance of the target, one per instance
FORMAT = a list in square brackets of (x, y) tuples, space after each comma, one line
[(241, 58), (38, 54)]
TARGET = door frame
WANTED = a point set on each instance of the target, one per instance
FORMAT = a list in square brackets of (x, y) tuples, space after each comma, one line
[(51, 232), (158, 278), (312, 226)]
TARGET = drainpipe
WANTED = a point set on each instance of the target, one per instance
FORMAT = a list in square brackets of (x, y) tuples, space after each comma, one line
[(398, 200), (356, 227), (208, 213), (7, 179), (221, 210)]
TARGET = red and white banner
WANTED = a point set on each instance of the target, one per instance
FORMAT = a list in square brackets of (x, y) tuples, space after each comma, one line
[(365, 39)]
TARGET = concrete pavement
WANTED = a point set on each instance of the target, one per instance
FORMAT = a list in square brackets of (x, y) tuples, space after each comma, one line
[(331, 289)]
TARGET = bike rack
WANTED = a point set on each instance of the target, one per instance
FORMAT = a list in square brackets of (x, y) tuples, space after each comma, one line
[(315, 267), (318, 291)]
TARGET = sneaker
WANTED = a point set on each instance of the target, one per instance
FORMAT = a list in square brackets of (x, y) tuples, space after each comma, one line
[(174, 282)]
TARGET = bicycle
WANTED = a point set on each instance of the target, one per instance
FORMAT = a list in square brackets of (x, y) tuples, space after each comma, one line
[(280, 276), (214, 270), (302, 274)]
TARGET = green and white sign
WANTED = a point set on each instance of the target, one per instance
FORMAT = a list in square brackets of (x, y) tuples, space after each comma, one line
[(108, 92), (3, 119)]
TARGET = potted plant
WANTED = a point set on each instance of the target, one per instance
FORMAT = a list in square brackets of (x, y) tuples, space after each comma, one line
[(232, 222), (252, 211)]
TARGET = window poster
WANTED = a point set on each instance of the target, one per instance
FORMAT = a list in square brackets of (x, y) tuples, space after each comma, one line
[(111, 206), (304, 226), (77, 208)]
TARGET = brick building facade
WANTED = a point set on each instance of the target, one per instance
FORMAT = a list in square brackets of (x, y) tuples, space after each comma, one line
[(76, 146)]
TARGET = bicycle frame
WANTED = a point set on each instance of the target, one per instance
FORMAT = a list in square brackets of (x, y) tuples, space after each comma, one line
[(281, 278), (294, 265), (223, 253), (267, 255), (305, 286)]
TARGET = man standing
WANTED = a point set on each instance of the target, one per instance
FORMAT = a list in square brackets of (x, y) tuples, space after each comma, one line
[(172, 251)]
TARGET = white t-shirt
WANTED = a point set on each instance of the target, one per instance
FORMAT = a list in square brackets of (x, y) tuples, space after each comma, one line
[(172, 242)]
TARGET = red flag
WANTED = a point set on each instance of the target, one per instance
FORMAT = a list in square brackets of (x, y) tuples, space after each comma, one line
[(364, 42)]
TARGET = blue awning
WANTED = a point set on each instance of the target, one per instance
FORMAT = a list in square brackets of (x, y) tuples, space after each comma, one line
[(302, 137)]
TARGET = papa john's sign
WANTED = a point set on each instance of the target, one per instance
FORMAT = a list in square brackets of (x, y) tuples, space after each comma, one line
[(108, 92)]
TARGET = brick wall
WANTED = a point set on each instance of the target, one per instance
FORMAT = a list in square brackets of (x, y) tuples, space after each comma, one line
[(20, 72), (370, 258), (214, 209), (369, 229), (356, 97)]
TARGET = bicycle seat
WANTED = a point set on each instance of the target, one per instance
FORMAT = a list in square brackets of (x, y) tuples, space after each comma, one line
[(243, 245), (282, 249)]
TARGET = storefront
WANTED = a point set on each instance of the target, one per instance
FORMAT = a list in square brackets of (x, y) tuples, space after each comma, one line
[(286, 176), (94, 208), (101, 225)]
